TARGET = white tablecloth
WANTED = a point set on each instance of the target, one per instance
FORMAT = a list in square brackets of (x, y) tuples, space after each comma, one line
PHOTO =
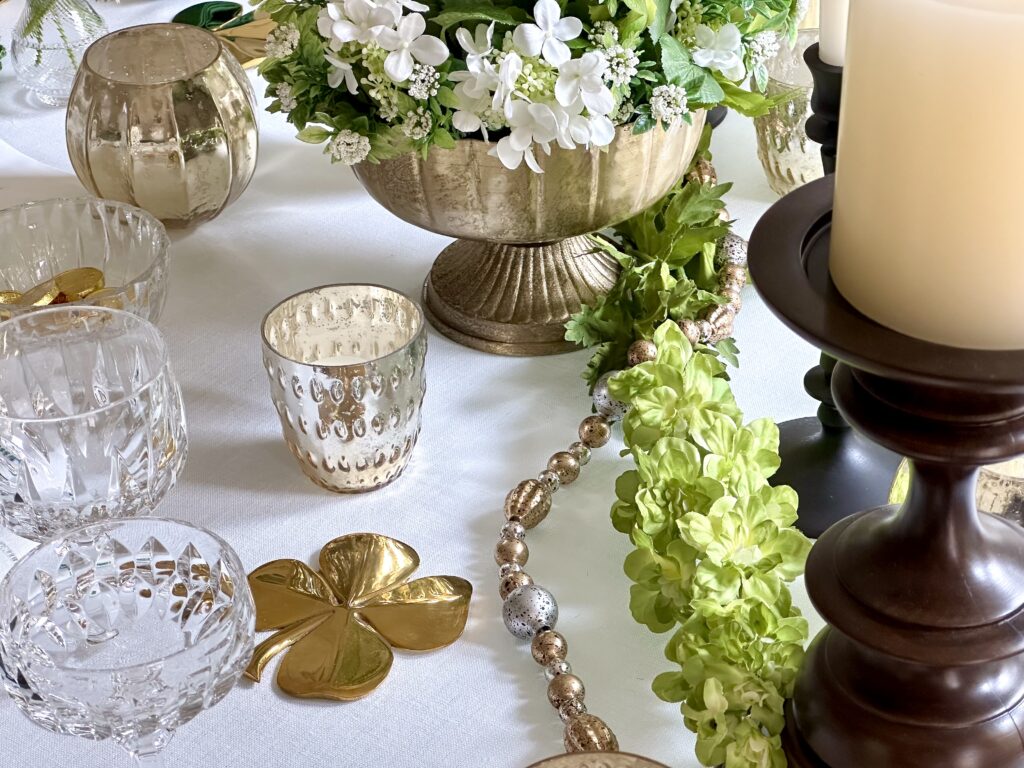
[(488, 423)]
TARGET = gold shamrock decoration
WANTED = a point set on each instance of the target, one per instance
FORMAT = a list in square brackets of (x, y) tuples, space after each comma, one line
[(341, 623)]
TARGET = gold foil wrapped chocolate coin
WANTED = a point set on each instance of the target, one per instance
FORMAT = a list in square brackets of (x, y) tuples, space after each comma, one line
[(597, 760), (78, 283), (9, 297)]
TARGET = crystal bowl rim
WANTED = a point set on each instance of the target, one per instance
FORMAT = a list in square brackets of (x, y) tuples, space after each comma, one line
[(419, 333), (85, 66), (163, 371), (163, 240), (231, 555)]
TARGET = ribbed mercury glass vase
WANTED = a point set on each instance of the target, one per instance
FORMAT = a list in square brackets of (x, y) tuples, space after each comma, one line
[(163, 117)]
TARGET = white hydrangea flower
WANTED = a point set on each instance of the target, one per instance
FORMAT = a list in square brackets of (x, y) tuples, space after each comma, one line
[(508, 72), (547, 37), (341, 72), (408, 45), (600, 30), (590, 130), (358, 21), (721, 51), (477, 46), (531, 124), (424, 82), (348, 147), (282, 41), (286, 97), (417, 124), (623, 65), (669, 104), (583, 78)]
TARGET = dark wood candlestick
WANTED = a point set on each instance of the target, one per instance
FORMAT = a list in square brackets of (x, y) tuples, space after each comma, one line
[(834, 470), (922, 664)]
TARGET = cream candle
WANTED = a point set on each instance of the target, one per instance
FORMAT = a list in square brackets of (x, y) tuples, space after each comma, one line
[(928, 235), (833, 16)]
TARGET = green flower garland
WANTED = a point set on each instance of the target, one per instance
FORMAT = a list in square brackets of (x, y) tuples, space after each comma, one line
[(715, 547)]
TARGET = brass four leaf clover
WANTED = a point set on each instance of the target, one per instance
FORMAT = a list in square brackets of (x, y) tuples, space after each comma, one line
[(341, 623)]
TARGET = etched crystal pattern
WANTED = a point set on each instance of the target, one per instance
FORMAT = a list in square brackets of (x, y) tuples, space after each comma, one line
[(91, 420), (125, 630)]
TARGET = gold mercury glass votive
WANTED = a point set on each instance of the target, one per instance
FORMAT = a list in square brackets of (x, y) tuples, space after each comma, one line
[(162, 116), (346, 376), (788, 157)]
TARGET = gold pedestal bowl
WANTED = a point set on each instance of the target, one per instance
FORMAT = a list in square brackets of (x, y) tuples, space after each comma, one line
[(523, 264)]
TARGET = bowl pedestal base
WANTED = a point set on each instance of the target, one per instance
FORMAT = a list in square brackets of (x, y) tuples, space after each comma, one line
[(513, 299)]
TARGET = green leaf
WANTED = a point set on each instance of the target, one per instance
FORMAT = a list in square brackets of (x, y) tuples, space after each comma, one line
[(485, 12), (443, 139), (313, 134)]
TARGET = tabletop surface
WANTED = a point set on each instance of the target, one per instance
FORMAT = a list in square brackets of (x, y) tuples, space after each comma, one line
[(488, 423)]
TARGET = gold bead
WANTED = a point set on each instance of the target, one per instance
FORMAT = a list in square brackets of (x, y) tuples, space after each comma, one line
[(565, 465), (511, 551), (690, 331), (530, 501), (641, 351), (595, 431), (588, 733), (565, 688), (512, 582), (548, 646), (703, 173)]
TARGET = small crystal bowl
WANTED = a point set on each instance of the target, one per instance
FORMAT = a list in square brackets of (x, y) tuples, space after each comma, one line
[(43, 239)]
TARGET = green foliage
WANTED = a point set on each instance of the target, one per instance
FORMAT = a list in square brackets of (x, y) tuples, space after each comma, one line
[(715, 543), (667, 255), (715, 551)]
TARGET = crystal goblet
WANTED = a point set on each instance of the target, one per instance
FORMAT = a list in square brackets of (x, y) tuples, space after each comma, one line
[(91, 419), (125, 630)]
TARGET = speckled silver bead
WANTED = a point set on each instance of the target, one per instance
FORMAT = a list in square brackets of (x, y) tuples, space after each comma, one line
[(571, 710), (556, 668), (528, 610), (581, 452), (550, 479), (506, 568), (513, 530), (732, 249), (604, 403), (705, 331)]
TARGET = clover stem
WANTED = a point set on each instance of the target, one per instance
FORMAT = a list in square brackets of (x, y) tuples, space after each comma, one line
[(280, 641)]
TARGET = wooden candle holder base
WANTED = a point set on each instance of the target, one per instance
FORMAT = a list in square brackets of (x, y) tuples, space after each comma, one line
[(922, 664)]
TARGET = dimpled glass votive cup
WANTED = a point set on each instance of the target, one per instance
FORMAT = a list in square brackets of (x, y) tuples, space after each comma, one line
[(346, 377)]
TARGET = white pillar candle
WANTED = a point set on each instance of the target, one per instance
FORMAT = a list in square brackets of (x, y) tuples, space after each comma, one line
[(928, 231), (833, 19)]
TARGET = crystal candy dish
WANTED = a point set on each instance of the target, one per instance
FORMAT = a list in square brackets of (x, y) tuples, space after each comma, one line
[(128, 245), (125, 630)]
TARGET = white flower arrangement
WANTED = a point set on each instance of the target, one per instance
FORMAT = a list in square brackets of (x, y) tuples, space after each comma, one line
[(378, 78)]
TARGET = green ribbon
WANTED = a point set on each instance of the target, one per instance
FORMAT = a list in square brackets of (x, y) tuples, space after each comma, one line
[(212, 15)]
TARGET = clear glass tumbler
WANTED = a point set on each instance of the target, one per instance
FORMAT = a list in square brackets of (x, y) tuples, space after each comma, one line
[(788, 157), (125, 630), (346, 377), (48, 43), (91, 419)]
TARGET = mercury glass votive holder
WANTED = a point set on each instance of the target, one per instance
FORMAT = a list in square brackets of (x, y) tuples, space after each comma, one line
[(92, 425), (789, 158), (346, 376)]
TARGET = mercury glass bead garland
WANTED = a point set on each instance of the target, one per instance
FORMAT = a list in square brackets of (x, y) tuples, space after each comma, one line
[(529, 610)]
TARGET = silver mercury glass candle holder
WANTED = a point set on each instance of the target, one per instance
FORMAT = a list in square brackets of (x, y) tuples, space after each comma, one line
[(346, 376)]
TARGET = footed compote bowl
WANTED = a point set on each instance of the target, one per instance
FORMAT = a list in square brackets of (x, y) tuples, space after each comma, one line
[(125, 630), (523, 264)]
